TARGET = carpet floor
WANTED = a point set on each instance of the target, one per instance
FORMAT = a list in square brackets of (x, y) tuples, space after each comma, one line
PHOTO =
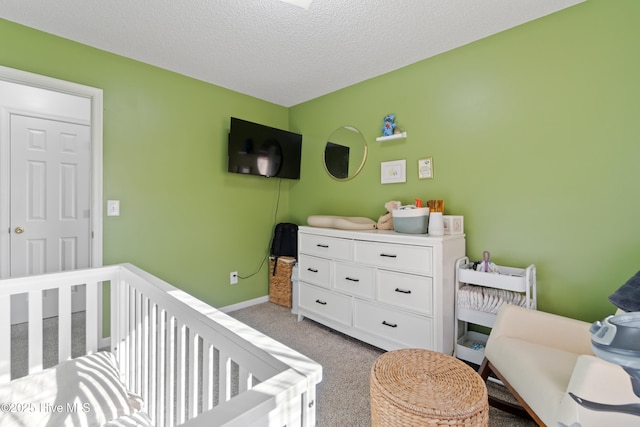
[(343, 394)]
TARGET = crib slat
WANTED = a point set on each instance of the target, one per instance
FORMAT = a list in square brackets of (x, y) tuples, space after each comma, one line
[(225, 377), (151, 360), (5, 333), (207, 376), (138, 343), (128, 302), (194, 392), (181, 378), (91, 314), (64, 323), (171, 366), (121, 343), (118, 331), (102, 340), (161, 374), (245, 378), (35, 331), (144, 389)]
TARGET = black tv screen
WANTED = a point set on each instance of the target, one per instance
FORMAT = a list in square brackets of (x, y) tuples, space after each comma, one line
[(256, 149)]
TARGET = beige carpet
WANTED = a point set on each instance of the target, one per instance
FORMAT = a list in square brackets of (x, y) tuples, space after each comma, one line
[(343, 394)]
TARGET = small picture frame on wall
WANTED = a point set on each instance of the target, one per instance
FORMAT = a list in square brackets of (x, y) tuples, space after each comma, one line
[(393, 172), (425, 168), (453, 224)]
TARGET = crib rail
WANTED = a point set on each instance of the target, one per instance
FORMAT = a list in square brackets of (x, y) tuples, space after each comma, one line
[(192, 364)]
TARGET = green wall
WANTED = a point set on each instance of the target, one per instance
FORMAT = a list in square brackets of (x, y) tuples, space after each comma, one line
[(534, 138), (533, 134), (183, 217)]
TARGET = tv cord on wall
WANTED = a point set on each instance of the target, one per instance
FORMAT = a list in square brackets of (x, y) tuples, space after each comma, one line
[(268, 248)]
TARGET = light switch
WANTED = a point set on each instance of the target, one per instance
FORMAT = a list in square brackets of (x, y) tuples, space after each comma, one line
[(113, 207)]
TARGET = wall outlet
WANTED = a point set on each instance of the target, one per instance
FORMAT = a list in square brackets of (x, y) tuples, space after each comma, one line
[(233, 277), (113, 207)]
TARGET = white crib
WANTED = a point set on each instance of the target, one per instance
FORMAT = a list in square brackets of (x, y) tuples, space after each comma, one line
[(191, 364)]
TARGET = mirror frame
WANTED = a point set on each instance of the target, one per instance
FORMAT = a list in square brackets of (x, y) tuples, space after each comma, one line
[(364, 154)]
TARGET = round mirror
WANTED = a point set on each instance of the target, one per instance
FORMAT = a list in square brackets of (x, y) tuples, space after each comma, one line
[(345, 153)]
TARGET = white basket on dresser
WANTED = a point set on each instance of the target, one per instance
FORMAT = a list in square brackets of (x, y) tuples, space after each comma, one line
[(389, 289)]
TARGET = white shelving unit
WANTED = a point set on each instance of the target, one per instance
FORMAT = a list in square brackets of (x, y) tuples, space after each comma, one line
[(402, 135), (478, 297)]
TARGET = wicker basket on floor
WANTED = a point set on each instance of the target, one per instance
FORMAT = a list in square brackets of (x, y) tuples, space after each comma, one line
[(414, 387), (280, 283)]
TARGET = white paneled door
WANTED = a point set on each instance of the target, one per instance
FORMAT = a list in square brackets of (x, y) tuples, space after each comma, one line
[(50, 197)]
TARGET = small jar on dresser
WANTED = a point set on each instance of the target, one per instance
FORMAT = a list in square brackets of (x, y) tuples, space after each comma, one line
[(388, 289)]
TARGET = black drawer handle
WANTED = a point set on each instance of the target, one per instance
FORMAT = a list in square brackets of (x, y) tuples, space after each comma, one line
[(351, 279), (403, 291), (393, 325), (321, 302), (320, 245), (313, 270), (389, 255)]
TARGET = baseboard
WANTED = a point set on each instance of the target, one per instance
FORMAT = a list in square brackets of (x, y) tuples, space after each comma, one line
[(244, 304)]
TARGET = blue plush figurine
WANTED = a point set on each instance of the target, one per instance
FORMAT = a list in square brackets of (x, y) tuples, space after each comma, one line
[(389, 125)]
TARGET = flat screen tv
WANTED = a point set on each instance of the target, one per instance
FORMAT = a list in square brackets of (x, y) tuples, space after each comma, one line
[(256, 149)]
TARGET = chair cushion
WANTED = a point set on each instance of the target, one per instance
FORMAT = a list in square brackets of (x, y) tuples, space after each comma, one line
[(539, 374), (543, 328), (85, 391)]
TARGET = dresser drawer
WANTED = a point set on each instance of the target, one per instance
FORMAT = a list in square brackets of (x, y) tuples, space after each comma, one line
[(355, 279), (418, 259), (406, 291), (314, 270), (326, 303), (330, 247), (404, 328)]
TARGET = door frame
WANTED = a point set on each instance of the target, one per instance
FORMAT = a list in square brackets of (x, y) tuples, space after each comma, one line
[(96, 98)]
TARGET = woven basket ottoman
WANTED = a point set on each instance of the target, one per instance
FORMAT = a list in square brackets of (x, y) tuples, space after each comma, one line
[(415, 387)]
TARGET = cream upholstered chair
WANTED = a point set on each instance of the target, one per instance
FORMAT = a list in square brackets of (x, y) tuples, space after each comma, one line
[(541, 357)]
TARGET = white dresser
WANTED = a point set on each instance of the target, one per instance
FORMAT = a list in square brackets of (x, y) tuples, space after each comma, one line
[(389, 289)]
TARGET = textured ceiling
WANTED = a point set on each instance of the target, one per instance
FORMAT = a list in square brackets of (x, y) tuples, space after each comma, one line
[(273, 50)]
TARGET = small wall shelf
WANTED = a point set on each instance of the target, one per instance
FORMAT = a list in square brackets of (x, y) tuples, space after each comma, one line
[(402, 135)]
